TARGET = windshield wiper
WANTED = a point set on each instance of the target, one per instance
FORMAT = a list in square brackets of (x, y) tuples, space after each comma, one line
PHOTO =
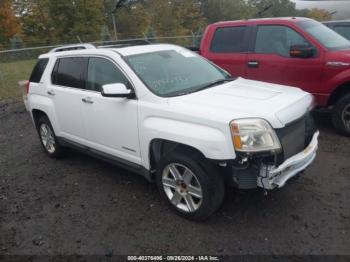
[(215, 83)]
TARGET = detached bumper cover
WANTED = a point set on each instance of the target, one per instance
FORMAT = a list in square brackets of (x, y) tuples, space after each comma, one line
[(271, 177)]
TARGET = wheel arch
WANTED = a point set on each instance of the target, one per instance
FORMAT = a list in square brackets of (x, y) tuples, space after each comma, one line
[(41, 105), (339, 92), (37, 114), (160, 147)]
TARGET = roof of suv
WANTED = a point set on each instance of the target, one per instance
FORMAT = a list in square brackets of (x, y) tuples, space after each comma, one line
[(140, 49), (123, 51)]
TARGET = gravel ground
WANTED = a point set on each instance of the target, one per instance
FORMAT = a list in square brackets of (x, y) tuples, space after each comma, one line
[(80, 205)]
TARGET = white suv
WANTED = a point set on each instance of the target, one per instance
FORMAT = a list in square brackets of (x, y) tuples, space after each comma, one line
[(170, 115)]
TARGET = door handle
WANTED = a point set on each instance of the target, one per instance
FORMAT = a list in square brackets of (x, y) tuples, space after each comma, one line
[(87, 100), (253, 64), (51, 92)]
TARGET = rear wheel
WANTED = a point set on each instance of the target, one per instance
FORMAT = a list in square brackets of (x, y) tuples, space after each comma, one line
[(48, 138), (341, 115), (190, 185)]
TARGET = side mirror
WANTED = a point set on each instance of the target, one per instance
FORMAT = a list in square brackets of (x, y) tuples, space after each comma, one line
[(116, 90), (302, 51)]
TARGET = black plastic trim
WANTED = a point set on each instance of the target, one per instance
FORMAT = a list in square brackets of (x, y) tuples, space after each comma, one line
[(135, 168)]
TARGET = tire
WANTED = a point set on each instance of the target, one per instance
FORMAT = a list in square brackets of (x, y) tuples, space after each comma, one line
[(341, 116), (48, 138), (199, 189)]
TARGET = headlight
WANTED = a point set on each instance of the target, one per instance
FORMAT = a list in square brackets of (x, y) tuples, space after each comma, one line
[(254, 135)]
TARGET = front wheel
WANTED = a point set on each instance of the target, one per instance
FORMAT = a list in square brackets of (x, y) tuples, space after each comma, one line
[(190, 185), (341, 115)]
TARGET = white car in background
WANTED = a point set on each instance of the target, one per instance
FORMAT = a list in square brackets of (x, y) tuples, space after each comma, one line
[(170, 115)]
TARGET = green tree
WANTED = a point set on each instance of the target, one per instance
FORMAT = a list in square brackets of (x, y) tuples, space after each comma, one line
[(132, 21), (176, 17), (223, 10), (36, 23), (72, 19), (9, 24), (53, 22), (319, 14), (64, 21), (277, 8)]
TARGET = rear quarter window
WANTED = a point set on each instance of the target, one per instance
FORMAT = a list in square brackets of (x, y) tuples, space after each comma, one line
[(38, 70), (230, 40)]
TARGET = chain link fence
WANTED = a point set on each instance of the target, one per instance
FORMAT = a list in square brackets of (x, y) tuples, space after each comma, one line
[(17, 64)]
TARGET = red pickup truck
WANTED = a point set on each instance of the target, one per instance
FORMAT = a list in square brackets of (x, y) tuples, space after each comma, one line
[(290, 51)]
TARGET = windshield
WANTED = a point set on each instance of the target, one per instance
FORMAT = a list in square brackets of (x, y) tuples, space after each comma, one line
[(325, 36), (175, 72)]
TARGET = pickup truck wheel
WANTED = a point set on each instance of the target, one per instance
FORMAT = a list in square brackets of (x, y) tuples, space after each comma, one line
[(341, 115), (191, 186), (48, 138)]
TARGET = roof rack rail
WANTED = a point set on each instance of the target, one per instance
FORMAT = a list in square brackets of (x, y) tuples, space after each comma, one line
[(125, 43), (72, 47)]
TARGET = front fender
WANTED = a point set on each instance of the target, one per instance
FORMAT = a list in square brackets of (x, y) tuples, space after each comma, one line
[(213, 143), (338, 80)]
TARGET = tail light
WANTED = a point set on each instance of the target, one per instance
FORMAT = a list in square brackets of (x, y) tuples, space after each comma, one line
[(27, 87)]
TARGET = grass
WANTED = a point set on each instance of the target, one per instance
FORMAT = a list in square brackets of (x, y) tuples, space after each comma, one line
[(10, 74)]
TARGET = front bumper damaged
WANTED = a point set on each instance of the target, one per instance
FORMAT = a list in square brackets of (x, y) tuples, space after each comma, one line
[(271, 177)]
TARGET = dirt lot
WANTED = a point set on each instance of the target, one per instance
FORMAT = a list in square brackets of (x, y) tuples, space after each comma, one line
[(79, 205)]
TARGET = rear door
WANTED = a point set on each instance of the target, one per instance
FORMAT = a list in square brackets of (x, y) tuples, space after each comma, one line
[(228, 48), (66, 93), (270, 61)]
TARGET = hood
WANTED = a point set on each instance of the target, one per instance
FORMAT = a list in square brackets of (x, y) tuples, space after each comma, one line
[(244, 98)]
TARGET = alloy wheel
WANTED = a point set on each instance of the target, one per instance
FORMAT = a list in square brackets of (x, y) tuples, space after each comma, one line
[(47, 138), (182, 187)]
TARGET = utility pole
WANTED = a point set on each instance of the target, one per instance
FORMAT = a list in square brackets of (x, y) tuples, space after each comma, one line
[(114, 11), (114, 26)]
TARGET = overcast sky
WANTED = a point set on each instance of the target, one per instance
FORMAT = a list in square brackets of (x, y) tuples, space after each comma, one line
[(341, 6)]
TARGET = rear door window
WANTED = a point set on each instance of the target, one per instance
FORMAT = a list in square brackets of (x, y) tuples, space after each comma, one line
[(38, 70), (70, 72), (230, 40)]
